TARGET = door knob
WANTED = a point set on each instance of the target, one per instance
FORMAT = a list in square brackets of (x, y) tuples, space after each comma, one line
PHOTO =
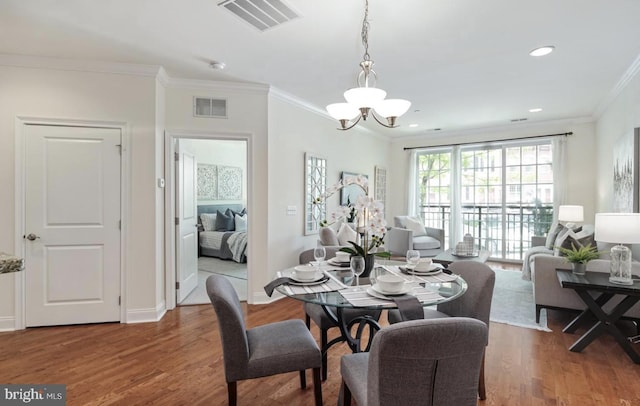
[(31, 237)]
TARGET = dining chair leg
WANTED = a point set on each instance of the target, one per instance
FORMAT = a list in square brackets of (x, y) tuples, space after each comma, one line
[(317, 386), (303, 379), (323, 344), (232, 391), (307, 321), (482, 392)]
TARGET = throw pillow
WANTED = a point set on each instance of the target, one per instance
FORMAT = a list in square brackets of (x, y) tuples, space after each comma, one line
[(328, 237), (346, 234), (224, 222), (415, 225), (232, 213), (555, 229), (241, 222), (575, 239), (208, 221)]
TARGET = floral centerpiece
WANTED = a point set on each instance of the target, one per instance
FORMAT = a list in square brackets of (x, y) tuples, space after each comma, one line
[(368, 216)]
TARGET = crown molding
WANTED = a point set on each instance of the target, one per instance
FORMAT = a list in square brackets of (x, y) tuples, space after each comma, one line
[(624, 81), (184, 83), (163, 77), (520, 127), (41, 62)]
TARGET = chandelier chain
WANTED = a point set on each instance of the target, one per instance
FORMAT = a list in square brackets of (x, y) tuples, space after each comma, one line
[(365, 32)]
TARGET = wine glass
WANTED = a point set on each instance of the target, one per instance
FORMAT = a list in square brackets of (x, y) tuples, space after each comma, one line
[(319, 253), (357, 266), (413, 257)]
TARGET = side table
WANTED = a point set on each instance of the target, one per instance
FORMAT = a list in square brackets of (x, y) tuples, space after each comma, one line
[(599, 282)]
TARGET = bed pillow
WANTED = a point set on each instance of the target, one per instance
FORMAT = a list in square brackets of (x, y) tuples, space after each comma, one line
[(241, 222), (224, 222), (208, 221), (416, 226), (232, 213)]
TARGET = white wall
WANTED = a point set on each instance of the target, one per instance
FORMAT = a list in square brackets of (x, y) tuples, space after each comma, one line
[(581, 169), (292, 132), (74, 95)]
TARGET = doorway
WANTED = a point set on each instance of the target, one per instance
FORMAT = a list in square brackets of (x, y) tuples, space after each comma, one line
[(208, 193)]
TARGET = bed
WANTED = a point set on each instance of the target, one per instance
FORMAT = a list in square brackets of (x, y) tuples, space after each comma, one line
[(226, 244)]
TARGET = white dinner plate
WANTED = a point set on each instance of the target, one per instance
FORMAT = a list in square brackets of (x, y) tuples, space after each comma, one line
[(338, 263), (318, 276), (406, 289), (418, 273), (371, 292), (320, 281)]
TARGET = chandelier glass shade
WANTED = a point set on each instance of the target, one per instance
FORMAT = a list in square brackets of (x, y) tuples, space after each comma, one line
[(366, 99)]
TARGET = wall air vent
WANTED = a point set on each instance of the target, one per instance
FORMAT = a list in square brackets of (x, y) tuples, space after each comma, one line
[(207, 107), (515, 120), (262, 14)]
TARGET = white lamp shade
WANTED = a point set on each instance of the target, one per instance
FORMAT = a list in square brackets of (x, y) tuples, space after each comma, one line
[(574, 214), (618, 228), (392, 107), (343, 111), (364, 97)]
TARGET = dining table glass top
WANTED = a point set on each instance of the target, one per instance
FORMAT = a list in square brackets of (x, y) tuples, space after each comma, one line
[(429, 290)]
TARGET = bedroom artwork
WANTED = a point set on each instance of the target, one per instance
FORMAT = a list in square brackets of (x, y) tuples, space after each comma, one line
[(315, 174), (219, 182), (625, 173), (349, 194), (207, 182)]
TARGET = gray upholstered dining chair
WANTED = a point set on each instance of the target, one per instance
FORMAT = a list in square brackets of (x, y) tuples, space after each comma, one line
[(418, 362), (321, 319), (475, 303), (270, 349)]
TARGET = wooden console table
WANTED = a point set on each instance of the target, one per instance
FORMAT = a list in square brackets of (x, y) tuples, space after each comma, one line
[(599, 282)]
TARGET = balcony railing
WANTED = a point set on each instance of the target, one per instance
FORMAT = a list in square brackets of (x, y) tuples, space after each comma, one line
[(505, 231)]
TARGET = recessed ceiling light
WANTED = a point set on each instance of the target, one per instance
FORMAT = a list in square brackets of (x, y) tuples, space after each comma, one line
[(217, 65), (542, 51), (536, 110), (413, 125)]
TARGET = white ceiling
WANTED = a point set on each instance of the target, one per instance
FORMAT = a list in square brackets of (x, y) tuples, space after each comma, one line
[(462, 63)]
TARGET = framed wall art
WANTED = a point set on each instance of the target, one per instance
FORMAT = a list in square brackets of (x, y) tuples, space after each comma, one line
[(625, 173), (349, 194)]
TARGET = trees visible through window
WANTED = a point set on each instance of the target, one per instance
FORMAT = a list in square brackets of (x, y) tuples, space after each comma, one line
[(505, 196)]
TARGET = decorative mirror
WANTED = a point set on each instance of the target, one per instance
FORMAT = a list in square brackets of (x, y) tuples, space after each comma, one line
[(315, 175)]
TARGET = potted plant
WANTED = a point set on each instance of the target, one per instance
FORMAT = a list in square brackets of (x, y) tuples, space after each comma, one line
[(579, 257)]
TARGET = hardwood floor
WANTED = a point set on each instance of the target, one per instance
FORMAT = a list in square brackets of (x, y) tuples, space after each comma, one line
[(178, 361)]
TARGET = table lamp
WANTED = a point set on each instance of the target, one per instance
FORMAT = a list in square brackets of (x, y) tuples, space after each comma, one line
[(570, 214), (619, 228)]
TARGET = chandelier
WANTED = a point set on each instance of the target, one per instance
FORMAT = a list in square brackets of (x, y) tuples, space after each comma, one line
[(366, 99)]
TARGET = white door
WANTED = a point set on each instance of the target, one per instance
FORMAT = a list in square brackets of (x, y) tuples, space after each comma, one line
[(186, 231), (72, 225)]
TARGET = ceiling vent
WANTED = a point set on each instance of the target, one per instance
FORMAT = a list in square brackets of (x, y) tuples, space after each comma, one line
[(262, 14), (207, 107)]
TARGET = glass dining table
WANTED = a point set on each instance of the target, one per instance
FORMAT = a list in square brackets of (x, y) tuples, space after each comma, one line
[(339, 293)]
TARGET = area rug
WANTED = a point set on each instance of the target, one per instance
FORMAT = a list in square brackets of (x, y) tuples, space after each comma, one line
[(222, 267), (513, 302)]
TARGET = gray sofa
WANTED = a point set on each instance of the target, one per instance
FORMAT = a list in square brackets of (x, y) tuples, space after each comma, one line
[(544, 246), (400, 239), (548, 293)]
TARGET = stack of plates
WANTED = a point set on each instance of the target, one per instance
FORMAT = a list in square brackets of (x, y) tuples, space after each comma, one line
[(317, 279), (336, 262), (433, 270), (378, 292)]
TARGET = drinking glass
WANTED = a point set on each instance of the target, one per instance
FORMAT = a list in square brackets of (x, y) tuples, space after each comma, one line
[(319, 253), (357, 267), (413, 257)]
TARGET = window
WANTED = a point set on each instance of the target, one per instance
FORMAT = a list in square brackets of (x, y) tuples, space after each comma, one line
[(506, 193)]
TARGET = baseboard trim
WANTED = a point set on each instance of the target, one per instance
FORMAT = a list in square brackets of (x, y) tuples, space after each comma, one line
[(8, 323), (148, 315)]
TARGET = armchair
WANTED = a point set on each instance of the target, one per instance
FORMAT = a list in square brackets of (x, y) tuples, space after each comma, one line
[(410, 233)]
